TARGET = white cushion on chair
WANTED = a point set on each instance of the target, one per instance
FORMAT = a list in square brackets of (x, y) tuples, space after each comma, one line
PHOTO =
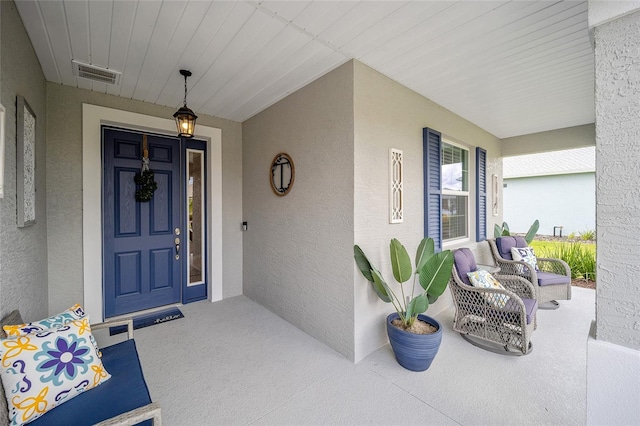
[(525, 254)]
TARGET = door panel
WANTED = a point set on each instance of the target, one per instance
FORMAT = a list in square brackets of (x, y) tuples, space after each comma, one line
[(161, 268), (128, 268), (140, 266), (161, 221), (128, 211)]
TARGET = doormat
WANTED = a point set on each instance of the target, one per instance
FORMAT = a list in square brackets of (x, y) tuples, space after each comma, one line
[(146, 320)]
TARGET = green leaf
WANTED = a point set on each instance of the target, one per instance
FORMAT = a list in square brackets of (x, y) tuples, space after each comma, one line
[(436, 273), (497, 231), (425, 250), (532, 231), (432, 298), (418, 305), (400, 261), (363, 263), (408, 313), (380, 286), (505, 228)]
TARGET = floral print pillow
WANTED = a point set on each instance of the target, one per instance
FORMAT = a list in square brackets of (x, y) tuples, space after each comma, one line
[(484, 279), (73, 313), (42, 370)]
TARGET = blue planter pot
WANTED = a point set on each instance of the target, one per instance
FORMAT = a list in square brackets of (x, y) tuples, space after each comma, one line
[(414, 352)]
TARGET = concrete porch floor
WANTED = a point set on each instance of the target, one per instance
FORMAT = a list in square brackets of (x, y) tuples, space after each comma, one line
[(235, 362)]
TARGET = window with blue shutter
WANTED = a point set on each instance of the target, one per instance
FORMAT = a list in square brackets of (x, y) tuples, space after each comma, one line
[(431, 141), (446, 194), (481, 194)]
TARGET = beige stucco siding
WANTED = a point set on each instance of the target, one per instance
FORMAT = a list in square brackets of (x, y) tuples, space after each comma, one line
[(23, 251), (297, 251)]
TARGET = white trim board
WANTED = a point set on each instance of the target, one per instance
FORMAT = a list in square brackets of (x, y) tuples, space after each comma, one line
[(93, 117)]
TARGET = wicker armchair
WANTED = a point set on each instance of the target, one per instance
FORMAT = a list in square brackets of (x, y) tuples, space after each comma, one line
[(552, 279), (481, 321)]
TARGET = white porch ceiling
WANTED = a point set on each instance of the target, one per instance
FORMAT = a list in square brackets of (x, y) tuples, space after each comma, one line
[(511, 67)]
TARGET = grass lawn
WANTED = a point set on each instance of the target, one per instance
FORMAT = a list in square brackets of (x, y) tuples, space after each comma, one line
[(581, 256), (546, 246)]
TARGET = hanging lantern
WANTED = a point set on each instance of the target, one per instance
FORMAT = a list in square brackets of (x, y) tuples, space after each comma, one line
[(185, 118)]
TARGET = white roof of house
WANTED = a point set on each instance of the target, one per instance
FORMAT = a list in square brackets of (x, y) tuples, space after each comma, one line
[(579, 160)]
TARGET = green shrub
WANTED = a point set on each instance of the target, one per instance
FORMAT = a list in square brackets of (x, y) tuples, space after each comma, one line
[(580, 257), (572, 236), (588, 235)]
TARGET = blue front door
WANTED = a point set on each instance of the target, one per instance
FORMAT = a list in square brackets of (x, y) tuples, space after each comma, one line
[(142, 241)]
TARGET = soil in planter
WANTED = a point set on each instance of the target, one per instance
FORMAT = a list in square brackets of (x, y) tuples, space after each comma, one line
[(418, 327)]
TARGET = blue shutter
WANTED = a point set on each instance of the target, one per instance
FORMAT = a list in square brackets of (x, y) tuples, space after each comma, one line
[(431, 142), (481, 194)]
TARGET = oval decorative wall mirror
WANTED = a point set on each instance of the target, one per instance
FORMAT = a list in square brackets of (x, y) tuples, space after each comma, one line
[(282, 174)]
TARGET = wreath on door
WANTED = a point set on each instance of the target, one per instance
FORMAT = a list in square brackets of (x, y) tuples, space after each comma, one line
[(145, 182)]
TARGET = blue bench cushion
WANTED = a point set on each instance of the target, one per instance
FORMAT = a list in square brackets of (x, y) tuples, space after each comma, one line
[(125, 391), (549, 278)]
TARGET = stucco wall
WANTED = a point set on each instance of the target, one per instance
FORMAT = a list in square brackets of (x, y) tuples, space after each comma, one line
[(613, 348), (552, 140), (64, 189), (23, 251), (388, 115), (561, 200), (618, 179), (298, 248)]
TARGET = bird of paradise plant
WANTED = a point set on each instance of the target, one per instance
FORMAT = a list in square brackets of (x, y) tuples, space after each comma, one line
[(433, 271)]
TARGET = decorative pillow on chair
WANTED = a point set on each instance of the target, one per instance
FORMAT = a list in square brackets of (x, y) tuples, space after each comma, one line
[(484, 279), (73, 313), (56, 321), (42, 370), (525, 254)]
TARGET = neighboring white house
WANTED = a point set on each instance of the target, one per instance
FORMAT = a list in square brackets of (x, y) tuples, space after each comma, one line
[(557, 188)]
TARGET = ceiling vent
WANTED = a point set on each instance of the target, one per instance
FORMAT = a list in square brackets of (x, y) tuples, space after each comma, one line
[(94, 73)]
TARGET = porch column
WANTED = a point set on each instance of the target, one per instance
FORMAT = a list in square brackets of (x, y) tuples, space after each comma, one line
[(613, 348)]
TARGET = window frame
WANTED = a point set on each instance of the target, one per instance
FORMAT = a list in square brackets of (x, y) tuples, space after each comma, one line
[(467, 237)]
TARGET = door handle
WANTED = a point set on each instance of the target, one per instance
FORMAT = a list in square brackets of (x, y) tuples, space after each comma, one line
[(177, 242)]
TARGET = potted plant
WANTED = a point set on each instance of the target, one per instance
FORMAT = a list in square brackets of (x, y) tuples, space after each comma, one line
[(414, 337)]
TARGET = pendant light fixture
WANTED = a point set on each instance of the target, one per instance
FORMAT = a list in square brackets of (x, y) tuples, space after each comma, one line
[(185, 118)]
